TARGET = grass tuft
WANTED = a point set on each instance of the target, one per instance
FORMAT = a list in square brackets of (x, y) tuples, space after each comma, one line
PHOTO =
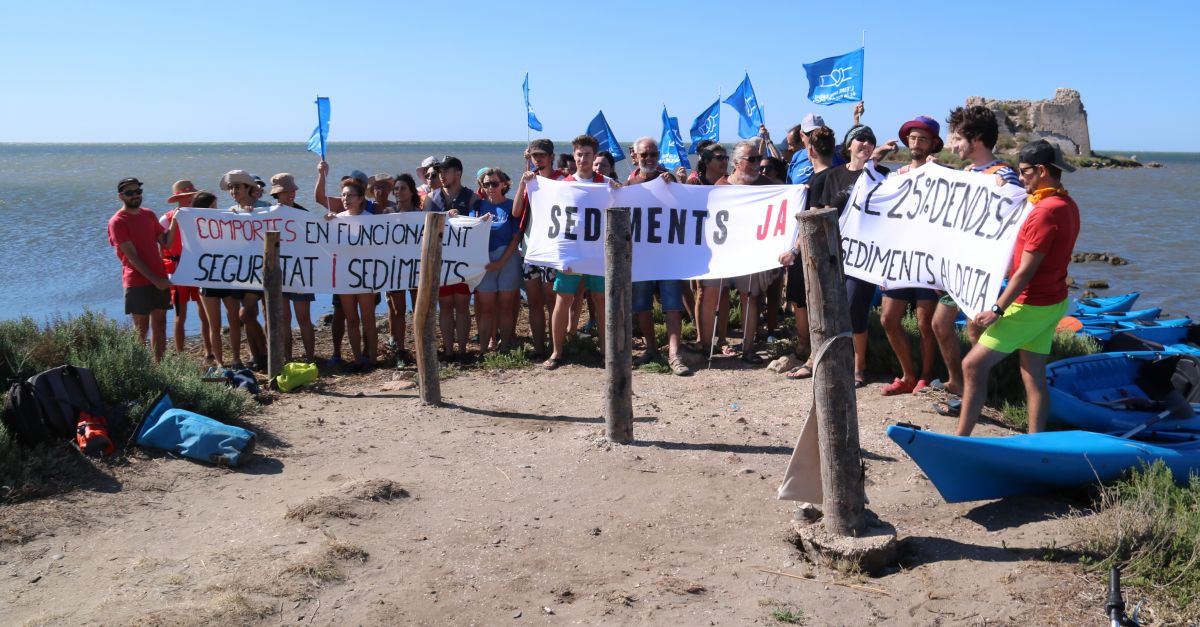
[(513, 360), (788, 615)]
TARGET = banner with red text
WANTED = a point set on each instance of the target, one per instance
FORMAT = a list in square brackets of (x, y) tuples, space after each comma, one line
[(341, 255), (679, 231), (933, 227)]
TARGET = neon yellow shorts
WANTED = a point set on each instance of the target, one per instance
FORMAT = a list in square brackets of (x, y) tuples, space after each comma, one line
[(1024, 327)]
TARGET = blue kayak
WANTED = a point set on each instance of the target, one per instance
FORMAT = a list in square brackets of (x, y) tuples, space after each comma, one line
[(1098, 393), (978, 468), (1162, 331), (1106, 304), (1120, 316)]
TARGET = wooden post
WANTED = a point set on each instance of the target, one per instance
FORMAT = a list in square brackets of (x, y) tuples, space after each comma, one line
[(834, 403), (424, 312), (618, 326), (274, 304)]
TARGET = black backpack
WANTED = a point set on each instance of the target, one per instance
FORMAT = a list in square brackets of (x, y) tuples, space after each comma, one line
[(46, 407)]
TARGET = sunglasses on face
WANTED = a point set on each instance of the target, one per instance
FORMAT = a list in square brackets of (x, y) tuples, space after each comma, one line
[(647, 155), (132, 192), (491, 184), (432, 174), (751, 158)]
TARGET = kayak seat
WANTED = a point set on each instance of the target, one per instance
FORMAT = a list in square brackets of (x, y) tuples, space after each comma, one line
[(1127, 395)]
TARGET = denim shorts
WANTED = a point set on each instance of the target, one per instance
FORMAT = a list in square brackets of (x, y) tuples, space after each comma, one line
[(670, 295), (507, 278)]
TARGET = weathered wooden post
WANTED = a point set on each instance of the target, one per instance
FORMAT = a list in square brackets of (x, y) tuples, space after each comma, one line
[(618, 326), (835, 407), (274, 304), (424, 318)]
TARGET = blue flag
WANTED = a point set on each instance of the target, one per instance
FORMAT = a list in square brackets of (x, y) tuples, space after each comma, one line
[(706, 126), (316, 141), (749, 114), (604, 136), (672, 152), (836, 79), (533, 121)]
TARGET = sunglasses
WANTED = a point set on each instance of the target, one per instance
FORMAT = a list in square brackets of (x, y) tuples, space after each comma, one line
[(647, 155), (432, 174), (132, 192), (751, 158), (491, 184)]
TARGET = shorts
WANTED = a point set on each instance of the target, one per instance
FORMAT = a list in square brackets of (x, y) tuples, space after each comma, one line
[(859, 295), (1024, 327), (795, 285), (445, 291), (300, 298), (948, 301), (337, 301), (755, 284), (507, 278), (181, 294), (221, 293), (141, 300), (670, 295), (569, 283), (534, 273), (910, 293)]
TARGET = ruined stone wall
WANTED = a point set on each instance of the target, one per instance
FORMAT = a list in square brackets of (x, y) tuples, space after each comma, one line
[(1061, 120)]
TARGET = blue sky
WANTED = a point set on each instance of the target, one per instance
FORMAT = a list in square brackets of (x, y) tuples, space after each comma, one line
[(248, 71)]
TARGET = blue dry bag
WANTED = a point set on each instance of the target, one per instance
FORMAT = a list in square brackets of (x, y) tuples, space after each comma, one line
[(191, 435)]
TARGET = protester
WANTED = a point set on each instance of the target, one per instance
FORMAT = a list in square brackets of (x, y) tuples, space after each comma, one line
[(746, 157), (423, 175), (182, 193), (973, 132), (379, 188), (454, 301), (407, 199), (920, 136), (283, 190), (820, 144), (257, 191), (139, 240), (670, 292), (566, 163), (496, 294), (835, 192), (702, 146), (712, 295), (241, 185), (334, 205), (774, 170), (568, 285), (213, 299), (539, 280), (359, 308), (1028, 310), (605, 164)]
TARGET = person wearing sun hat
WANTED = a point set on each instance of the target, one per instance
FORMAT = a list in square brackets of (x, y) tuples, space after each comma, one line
[(920, 136), (182, 193), (1028, 310)]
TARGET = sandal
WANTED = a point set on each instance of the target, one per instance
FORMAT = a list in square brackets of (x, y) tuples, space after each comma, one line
[(800, 372), (678, 367), (950, 408), (860, 379), (728, 350), (921, 385), (552, 364), (898, 386)]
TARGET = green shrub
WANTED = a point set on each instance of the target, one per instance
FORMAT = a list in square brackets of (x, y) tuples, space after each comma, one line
[(1149, 526), (511, 360)]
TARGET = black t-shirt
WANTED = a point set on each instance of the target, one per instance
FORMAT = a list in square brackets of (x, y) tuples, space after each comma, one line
[(816, 187), (838, 185)]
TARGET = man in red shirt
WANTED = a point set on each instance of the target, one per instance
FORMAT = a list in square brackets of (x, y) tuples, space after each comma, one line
[(137, 237), (1027, 312)]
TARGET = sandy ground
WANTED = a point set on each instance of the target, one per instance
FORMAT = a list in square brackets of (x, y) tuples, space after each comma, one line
[(507, 506)]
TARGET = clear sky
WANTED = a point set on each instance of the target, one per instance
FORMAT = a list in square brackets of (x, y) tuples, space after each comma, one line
[(134, 71)]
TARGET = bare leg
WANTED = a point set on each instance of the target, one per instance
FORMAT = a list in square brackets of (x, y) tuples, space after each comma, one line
[(462, 319), (339, 329), (597, 303), (860, 353), (287, 325), (353, 327), (674, 332), (370, 334), (233, 313), (976, 366), (946, 333), (537, 313), (576, 309), (307, 333), (205, 337), (141, 325), (485, 311), (395, 305), (646, 324), (892, 319), (506, 318), (803, 338), (446, 323), (563, 306), (158, 333), (212, 307), (749, 322), (180, 321), (1037, 393), (689, 298), (255, 336), (925, 310), (706, 311)]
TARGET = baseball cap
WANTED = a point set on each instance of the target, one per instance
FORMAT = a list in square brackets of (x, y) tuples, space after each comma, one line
[(1042, 152), (542, 145), (234, 177), (181, 189), (129, 180), (283, 182), (811, 122), (451, 163), (926, 124)]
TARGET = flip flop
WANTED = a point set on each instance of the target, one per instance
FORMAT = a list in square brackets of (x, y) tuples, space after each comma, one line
[(552, 363), (938, 384), (898, 386), (950, 408), (799, 372)]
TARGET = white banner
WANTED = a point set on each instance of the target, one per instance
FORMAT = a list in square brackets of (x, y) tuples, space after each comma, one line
[(343, 255), (933, 227), (679, 231)]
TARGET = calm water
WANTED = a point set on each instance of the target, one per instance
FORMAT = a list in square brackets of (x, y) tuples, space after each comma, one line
[(55, 200)]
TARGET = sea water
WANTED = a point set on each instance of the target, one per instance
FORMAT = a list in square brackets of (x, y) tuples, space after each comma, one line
[(55, 201)]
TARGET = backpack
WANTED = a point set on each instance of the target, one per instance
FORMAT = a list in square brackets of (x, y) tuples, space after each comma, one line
[(47, 407)]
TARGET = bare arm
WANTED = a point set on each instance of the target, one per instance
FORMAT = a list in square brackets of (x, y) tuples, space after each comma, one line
[(131, 255), (519, 198), (1030, 261), (332, 204)]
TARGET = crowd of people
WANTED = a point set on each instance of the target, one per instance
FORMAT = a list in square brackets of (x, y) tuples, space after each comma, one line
[(1022, 319)]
